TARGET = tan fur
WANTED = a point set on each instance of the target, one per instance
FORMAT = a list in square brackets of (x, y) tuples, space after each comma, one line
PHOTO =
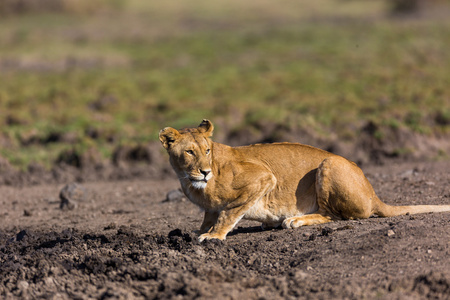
[(277, 184)]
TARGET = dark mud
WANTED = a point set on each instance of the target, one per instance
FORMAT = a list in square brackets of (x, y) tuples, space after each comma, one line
[(125, 241), (374, 144)]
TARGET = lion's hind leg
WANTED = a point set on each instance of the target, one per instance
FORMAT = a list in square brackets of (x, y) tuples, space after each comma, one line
[(312, 219)]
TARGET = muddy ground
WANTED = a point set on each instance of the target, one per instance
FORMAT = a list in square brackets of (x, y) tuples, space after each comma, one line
[(121, 240)]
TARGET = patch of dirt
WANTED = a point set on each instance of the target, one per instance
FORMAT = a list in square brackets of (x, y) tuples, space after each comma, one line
[(125, 240)]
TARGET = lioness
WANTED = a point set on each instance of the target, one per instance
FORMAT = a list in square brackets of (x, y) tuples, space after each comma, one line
[(277, 184)]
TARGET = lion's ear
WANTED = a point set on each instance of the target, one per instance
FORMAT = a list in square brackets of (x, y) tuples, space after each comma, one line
[(168, 136), (206, 127)]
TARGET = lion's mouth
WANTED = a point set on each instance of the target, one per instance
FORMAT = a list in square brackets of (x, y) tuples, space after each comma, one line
[(198, 183), (198, 180)]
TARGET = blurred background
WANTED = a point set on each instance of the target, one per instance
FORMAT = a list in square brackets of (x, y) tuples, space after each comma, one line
[(90, 83)]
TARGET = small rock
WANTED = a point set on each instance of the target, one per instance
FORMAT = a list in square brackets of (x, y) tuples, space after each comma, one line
[(407, 174), (175, 196), (49, 281), (326, 231), (300, 275), (390, 232), (346, 227), (199, 251), (70, 195), (27, 213), (56, 271), (271, 238), (110, 226), (22, 285), (21, 235)]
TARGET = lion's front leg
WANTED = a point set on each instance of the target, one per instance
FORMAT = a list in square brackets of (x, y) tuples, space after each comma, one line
[(208, 222), (225, 223), (246, 197)]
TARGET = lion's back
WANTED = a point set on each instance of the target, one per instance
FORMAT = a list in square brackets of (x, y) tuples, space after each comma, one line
[(284, 156)]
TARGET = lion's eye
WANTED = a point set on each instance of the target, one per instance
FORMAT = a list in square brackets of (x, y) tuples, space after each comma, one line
[(207, 151), (190, 152)]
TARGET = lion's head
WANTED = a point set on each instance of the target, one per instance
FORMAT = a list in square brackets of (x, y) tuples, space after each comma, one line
[(190, 152)]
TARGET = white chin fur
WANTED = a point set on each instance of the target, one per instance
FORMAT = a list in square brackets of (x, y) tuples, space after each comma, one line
[(198, 184)]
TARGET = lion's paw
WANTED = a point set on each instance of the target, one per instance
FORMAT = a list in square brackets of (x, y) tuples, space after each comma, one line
[(292, 223), (209, 236)]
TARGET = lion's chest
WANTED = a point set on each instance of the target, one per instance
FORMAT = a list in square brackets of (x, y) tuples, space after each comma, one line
[(202, 198)]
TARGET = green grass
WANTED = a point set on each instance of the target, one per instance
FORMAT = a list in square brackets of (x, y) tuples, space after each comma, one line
[(127, 73)]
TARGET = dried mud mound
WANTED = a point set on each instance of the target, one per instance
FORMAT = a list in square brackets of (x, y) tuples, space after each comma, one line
[(373, 144)]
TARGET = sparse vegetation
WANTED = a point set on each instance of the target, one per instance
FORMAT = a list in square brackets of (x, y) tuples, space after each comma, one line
[(106, 77)]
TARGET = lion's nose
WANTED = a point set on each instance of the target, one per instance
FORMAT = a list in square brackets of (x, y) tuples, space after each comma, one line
[(205, 172)]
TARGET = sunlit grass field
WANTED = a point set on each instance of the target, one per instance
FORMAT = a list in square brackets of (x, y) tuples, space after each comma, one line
[(86, 77)]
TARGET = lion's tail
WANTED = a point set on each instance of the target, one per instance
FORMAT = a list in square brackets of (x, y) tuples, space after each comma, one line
[(384, 210)]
